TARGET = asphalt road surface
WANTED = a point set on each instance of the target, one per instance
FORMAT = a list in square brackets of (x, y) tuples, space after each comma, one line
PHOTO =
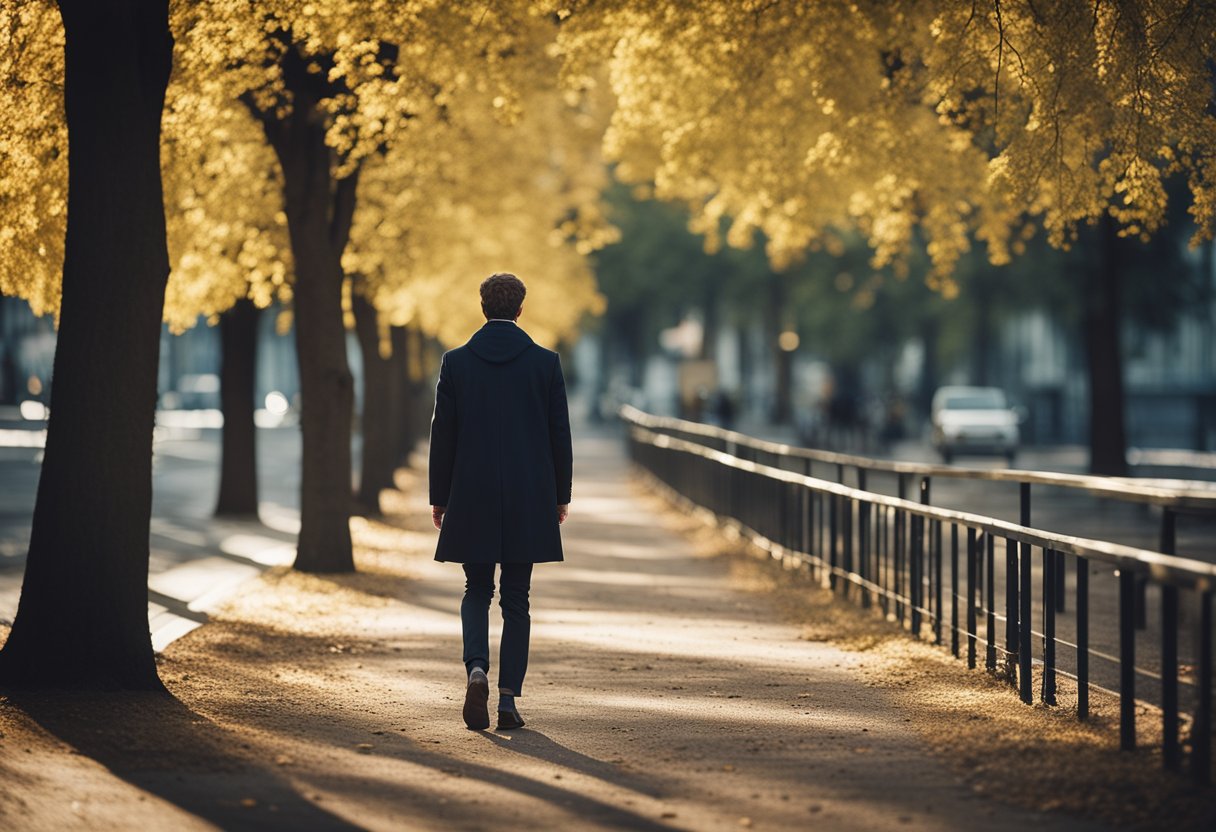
[(195, 560)]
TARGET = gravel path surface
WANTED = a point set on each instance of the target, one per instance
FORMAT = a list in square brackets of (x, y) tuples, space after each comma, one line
[(668, 689)]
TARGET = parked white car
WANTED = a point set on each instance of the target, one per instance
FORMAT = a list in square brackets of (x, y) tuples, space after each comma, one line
[(974, 420)]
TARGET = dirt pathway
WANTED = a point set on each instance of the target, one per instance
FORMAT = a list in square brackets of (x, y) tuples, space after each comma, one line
[(658, 697)]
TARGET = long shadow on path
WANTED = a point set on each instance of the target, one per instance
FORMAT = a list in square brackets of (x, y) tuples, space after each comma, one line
[(156, 743)]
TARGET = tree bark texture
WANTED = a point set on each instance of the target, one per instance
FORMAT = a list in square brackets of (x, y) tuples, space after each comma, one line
[(1103, 319), (380, 416), (319, 211), (238, 495), (82, 621)]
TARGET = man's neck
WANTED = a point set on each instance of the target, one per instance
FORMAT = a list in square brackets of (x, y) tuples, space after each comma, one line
[(504, 320)]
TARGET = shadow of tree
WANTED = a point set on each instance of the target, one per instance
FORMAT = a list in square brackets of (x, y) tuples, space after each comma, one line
[(156, 743)]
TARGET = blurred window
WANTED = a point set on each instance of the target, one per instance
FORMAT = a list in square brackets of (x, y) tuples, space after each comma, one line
[(978, 400)]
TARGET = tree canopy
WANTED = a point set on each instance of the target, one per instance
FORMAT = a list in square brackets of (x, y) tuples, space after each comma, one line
[(963, 119), (472, 159), (797, 120)]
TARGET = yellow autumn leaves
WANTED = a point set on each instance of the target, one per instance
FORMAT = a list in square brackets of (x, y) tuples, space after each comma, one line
[(477, 131), (470, 158), (952, 119)]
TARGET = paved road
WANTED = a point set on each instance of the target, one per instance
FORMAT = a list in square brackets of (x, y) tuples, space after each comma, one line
[(195, 559)]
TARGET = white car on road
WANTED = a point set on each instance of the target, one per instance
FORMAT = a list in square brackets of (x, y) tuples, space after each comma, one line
[(974, 420)]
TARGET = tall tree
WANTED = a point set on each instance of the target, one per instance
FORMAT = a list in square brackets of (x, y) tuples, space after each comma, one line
[(319, 207), (382, 397), (238, 496), (82, 619), (336, 87)]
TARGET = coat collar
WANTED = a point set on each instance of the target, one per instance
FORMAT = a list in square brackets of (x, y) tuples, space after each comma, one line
[(499, 342)]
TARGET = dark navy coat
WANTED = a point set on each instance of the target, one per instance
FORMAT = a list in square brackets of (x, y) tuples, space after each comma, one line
[(500, 449)]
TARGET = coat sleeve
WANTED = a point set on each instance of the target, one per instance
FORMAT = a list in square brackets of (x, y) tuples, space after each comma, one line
[(443, 437), (559, 434)]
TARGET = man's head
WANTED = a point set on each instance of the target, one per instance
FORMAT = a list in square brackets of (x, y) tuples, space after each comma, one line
[(502, 295)]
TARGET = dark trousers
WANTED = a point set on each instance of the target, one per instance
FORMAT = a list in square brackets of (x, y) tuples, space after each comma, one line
[(513, 586)]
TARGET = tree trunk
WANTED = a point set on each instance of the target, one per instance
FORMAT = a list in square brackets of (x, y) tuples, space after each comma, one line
[(238, 362), (929, 330), (1104, 353), (319, 211), (380, 429), (409, 423), (981, 349), (83, 615), (783, 360)]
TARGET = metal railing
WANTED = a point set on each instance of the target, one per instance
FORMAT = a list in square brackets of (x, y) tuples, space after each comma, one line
[(935, 571), (1172, 500)]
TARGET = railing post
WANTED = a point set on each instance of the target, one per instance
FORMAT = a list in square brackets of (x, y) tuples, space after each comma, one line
[(808, 515), (832, 524), (1011, 610), (822, 511), (971, 591), (1024, 628), (847, 544), (1025, 597), (954, 589), (1082, 638), (793, 518), (1127, 659), (863, 534), (1048, 692), (898, 554), (915, 566), (883, 573), (927, 551), (990, 653), (935, 537)]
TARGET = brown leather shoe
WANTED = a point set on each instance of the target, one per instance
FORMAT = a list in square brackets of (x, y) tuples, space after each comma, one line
[(508, 720), (476, 711)]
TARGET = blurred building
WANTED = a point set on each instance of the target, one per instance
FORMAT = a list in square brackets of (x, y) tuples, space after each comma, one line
[(27, 353), (189, 363)]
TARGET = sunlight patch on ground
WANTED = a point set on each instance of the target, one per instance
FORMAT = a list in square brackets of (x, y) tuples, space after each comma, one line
[(259, 549), (279, 518), (205, 580)]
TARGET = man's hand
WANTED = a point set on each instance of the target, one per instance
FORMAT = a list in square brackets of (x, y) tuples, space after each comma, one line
[(437, 513), (562, 511)]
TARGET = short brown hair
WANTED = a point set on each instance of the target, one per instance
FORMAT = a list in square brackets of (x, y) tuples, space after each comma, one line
[(501, 296)]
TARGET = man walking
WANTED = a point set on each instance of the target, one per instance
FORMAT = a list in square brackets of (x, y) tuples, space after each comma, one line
[(500, 477)]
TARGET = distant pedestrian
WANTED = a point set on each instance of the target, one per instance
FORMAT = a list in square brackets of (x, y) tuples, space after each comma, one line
[(500, 478), (724, 406)]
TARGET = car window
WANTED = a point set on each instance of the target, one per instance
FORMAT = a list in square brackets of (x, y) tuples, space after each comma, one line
[(979, 400)]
